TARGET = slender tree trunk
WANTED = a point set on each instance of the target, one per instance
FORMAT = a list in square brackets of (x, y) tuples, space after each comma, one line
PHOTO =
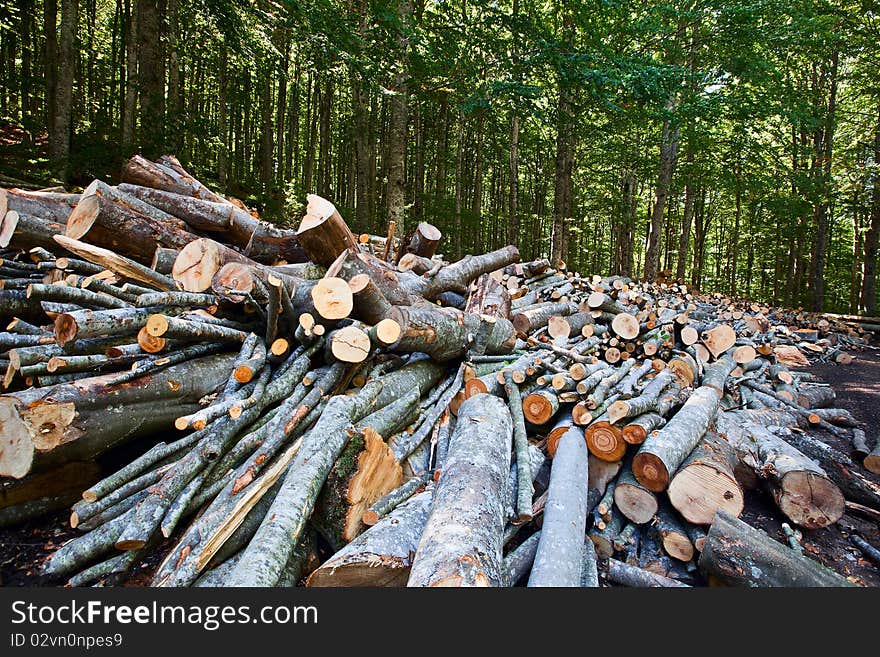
[(175, 106), (686, 220), (62, 119), (222, 153), (267, 133), (513, 193), (825, 146), (396, 199), (869, 263), (50, 20), (668, 155), (151, 79)]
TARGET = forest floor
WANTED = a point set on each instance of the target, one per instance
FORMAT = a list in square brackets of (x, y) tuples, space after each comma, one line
[(24, 548)]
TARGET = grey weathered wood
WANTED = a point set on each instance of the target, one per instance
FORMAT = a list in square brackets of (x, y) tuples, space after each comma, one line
[(663, 451), (559, 560), (740, 555), (382, 555), (461, 543)]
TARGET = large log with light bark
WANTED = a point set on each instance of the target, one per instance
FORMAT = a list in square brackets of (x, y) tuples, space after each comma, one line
[(462, 541), (663, 451), (40, 427), (447, 333), (558, 561), (740, 555), (800, 488)]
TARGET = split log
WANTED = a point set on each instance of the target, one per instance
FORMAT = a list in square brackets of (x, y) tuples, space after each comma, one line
[(739, 555), (382, 555), (116, 263), (705, 482), (40, 427), (462, 540), (363, 473), (558, 561), (664, 450), (488, 297)]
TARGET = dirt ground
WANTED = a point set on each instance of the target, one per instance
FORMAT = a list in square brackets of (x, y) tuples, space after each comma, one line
[(24, 548)]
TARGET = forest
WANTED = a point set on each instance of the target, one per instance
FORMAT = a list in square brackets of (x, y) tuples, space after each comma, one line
[(732, 145)]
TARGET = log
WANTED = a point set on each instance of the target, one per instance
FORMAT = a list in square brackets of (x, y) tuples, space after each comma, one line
[(800, 488), (559, 557), (116, 263), (104, 222), (664, 450), (635, 501), (673, 536), (625, 574), (705, 482), (739, 555), (52, 208), (41, 427), (423, 242), (200, 260), (323, 233), (140, 171), (488, 297), (446, 333), (872, 460), (25, 231), (382, 555), (518, 562), (529, 320), (462, 540), (816, 396), (457, 276)]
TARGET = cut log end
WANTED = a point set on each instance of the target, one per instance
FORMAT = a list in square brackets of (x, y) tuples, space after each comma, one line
[(350, 345), (605, 441), (699, 491), (333, 298), (809, 500), (650, 471)]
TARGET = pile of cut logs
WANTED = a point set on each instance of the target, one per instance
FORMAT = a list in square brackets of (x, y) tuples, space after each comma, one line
[(321, 408)]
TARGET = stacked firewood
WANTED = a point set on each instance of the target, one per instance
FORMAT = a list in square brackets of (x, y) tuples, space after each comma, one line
[(343, 410)]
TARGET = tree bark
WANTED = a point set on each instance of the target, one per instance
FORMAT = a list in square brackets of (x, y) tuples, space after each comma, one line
[(462, 540), (559, 557), (739, 555)]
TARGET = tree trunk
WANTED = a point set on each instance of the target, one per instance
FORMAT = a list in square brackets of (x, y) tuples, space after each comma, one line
[(462, 541), (739, 555), (396, 200), (558, 561), (151, 79), (668, 155), (868, 302), (61, 125)]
